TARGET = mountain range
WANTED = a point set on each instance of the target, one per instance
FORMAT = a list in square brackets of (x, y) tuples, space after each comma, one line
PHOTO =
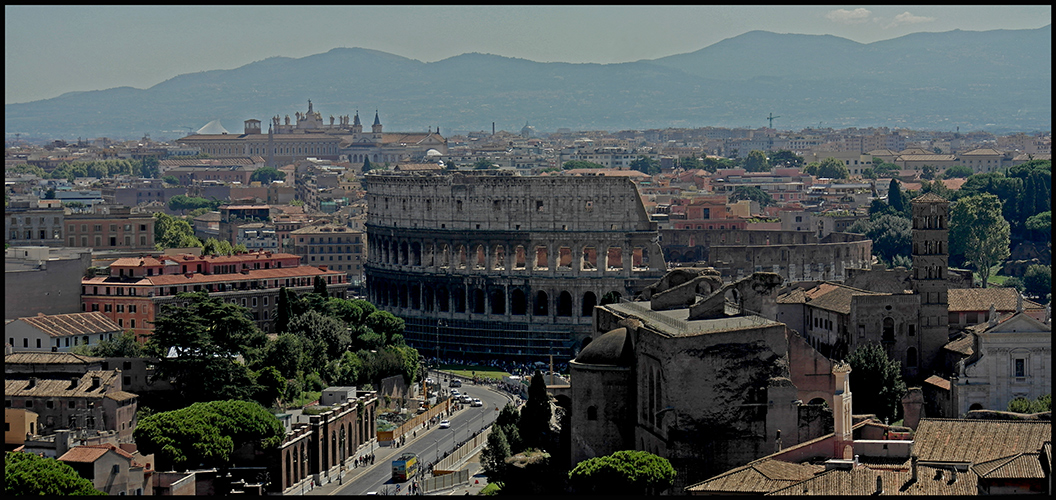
[(999, 81)]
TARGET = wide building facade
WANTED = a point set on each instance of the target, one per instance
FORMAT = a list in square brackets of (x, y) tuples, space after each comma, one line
[(482, 265)]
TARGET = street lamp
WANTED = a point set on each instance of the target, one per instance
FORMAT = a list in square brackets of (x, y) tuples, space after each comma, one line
[(439, 323)]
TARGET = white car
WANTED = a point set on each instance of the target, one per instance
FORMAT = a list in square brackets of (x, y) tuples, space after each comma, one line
[(466, 399), (455, 393), (477, 402), (444, 424)]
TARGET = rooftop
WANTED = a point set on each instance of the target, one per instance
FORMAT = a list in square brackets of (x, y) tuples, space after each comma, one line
[(62, 325)]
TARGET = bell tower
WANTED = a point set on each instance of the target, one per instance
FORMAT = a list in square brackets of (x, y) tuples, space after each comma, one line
[(930, 265)]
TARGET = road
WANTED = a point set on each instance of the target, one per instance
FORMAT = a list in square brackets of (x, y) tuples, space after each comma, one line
[(430, 445)]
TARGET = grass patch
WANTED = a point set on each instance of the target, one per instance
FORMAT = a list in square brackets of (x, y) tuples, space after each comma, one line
[(489, 372), (490, 490), (307, 397)]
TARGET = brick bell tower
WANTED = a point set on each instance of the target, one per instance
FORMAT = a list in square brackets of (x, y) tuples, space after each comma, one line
[(931, 255)]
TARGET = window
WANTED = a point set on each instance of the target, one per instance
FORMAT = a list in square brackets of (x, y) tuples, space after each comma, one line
[(1020, 369)]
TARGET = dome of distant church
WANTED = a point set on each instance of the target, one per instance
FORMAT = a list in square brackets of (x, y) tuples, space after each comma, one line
[(433, 152), (212, 127)]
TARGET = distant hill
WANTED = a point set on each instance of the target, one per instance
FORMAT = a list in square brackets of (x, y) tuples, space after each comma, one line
[(991, 80)]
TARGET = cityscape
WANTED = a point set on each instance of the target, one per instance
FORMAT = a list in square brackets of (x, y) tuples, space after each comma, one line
[(320, 303)]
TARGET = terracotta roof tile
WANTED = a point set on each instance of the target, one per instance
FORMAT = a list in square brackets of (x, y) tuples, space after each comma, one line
[(938, 381), (979, 299), (757, 477), (964, 346), (256, 274), (49, 358), (61, 388), (62, 325), (834, 297), (1019, 466), (977, 441), (863, 481)]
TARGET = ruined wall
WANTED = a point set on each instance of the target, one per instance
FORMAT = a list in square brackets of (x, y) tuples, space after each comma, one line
[(486, 265), (602, 410), (795, 255)]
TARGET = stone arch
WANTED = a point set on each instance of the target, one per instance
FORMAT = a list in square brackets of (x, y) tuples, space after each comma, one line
[(589, 301), (498, 261), (461, 257), (460, 299), (519, 257), (612, 297), (416, 297), (442, 299), (445, 255), (518, 302), (542, 304), (498, 301), (479, 257), (478, 301), (429, 297), (818, 401), (402, 295), (416, 254), (564, 303), (888, 334), (403, 254)]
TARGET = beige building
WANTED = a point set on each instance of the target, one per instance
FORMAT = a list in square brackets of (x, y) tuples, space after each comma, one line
[(111, 469), (19, 424), (59, 332), (340, 248)]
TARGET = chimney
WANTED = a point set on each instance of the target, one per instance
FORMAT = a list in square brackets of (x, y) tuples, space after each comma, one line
[(913, 468), (32, 383), (953, 475)]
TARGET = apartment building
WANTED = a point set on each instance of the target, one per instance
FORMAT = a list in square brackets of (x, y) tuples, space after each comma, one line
[(340, 248), (137, 287), (110, 228)]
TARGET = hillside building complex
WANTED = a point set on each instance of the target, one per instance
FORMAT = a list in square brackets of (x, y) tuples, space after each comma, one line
[(309, 136), (491, 264)]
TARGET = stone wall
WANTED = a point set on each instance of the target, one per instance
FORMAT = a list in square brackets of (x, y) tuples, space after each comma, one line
[(483, 265)]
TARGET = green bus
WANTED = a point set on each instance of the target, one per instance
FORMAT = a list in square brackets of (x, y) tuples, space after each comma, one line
[(405, 467)]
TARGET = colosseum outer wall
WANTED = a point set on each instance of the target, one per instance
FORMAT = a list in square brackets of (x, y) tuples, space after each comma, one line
[(484, 264)]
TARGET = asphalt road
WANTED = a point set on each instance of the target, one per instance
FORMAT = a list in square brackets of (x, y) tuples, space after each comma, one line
[(430, 446)]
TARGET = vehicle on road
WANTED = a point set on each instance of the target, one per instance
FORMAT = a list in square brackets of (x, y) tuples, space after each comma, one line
[(405, 467), (466, 399), (444, 424), (456, 383), (477, 402), (455, 393)]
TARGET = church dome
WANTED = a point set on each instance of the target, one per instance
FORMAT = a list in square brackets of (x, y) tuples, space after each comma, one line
[(433, 152), (212, 127), (612, 348)]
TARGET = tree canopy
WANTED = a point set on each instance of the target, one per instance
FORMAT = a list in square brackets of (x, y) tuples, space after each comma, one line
[(534, 424), (623, 473), (31, 475), (646, 165), (876, 382), (173, 232), (266, 175), (979, 235), (573, 164), (207, 333), (1037, 281), (207, 433), (756, 162), (832, 168), (484, 164), (124, 346), (957, 171), (892, 235), (786, 158), (754, 193)]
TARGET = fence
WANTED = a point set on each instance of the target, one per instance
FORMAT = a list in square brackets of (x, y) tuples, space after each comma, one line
[(451, 480), (414, 422), (447, 464)]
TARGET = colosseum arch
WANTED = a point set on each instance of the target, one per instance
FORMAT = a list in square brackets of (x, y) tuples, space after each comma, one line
[(416, 296), (589, 260), (612, 297), (564, 303), (589, 301), (429, 297), (416, 254), (478, 301), (461, 257), (614, 258), (564, 258), (480, 260), (519, 258), (498, 302), (542, 304), (403, 254), (443, 299), (518, 303), (445, 256), (498, 262), (460, 299)]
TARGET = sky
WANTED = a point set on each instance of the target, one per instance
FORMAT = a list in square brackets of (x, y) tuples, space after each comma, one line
[(51, 50)]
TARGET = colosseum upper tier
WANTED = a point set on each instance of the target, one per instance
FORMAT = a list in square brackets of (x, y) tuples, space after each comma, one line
[(485, 265)]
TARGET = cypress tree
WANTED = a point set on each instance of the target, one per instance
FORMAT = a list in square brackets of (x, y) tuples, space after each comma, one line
[(320, 287), (894, 197), (282, 321)]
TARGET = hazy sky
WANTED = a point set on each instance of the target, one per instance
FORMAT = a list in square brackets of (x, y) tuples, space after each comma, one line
[(50, 50)]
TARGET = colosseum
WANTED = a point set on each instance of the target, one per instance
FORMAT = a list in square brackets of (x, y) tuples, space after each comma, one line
[(489, 264)]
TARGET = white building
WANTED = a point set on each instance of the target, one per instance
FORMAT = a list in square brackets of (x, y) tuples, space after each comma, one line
[(59, 332), (1012, 358)]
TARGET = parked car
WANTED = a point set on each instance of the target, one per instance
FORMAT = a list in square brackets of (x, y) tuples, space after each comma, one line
[(444, 424), (477, 402), (466, 399)]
